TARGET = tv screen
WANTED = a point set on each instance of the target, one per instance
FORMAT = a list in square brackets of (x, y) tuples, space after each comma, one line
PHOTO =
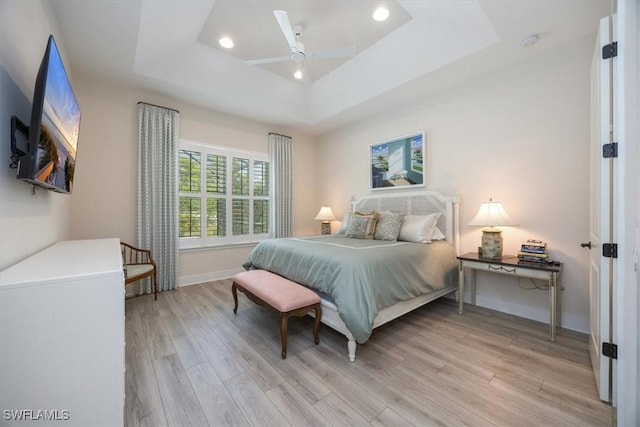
[(54, 127)]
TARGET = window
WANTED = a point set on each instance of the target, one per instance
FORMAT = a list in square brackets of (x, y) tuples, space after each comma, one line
[(224, 195)]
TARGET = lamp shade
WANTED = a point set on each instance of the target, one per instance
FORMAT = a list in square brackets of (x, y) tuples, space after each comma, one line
[(325, 214), (491, 214)]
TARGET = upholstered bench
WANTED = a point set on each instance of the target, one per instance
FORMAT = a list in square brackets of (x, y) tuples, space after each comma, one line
[(282, 295)]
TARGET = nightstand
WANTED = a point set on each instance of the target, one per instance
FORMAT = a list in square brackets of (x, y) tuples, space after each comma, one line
[(509, 265)]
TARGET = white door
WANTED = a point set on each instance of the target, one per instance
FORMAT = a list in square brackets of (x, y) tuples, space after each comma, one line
[(601, 230)]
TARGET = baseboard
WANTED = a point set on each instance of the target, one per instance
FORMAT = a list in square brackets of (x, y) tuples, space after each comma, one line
[(208, 277), (567, 321)]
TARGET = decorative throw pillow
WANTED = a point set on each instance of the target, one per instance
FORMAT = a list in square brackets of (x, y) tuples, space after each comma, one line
[(418, 228), (363, 226), (388, 226), (346, 223)]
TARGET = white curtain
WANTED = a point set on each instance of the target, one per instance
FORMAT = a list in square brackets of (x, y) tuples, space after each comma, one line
[(281, 160), (157, 223)]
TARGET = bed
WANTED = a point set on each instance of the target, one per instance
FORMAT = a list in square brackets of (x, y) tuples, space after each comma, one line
[(366, 283)]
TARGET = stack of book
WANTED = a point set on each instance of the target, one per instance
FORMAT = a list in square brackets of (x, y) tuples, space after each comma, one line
[(533, 251)]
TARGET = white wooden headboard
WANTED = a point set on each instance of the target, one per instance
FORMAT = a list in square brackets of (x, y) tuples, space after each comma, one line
[(418, 203)]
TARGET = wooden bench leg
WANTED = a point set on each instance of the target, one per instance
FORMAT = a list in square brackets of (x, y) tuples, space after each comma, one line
[(284, 320), (284, 316), (316, 323), (155, 285), (234, 291)]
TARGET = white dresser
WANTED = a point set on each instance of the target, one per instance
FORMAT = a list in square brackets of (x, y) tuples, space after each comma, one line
[(62, 336)]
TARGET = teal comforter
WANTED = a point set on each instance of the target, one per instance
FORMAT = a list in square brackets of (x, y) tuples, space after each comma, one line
[(360, 276)]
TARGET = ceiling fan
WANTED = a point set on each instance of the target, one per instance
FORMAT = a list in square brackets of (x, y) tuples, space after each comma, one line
[(298, 53)]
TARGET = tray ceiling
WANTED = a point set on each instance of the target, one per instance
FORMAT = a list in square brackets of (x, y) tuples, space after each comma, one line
[(171, 47)]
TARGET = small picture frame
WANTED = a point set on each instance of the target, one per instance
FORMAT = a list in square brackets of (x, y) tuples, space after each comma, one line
[(398, 163)]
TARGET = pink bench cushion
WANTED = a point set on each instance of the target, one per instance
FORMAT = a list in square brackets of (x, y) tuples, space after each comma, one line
[(282, 294)]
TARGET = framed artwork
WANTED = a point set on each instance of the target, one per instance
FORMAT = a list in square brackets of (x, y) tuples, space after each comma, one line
[(398, 162)]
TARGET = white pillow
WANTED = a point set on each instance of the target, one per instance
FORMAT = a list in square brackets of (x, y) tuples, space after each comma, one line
[(418, 228), (437, 234)]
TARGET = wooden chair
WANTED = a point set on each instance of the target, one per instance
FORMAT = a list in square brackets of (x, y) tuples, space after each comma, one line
[(138, 265)]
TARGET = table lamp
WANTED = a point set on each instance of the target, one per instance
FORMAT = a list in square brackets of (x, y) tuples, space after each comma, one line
[(326, 216), (489, 215)]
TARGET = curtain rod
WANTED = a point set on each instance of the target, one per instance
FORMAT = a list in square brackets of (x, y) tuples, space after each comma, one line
[(279, 134), (159, 106)]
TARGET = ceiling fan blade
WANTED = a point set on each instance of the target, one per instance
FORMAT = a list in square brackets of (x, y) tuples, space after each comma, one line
[(267, 60), (333, 53), (285, 26)]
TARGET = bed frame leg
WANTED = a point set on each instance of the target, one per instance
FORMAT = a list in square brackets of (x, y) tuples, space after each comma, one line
[(351, 346)]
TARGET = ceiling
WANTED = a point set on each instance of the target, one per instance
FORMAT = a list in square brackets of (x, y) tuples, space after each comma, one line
[(171, 47), (323, 25)]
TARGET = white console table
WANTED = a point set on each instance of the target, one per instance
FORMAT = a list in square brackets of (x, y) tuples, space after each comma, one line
[(62, 336), (510, 266)]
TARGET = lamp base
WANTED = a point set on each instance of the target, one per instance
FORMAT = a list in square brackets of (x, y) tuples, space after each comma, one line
[(325, 228), (491, 243)]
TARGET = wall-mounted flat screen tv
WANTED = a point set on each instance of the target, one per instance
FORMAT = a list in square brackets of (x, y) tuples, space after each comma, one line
[(55, 124)]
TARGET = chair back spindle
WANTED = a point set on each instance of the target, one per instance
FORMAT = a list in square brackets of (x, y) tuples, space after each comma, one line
[(138, 265)]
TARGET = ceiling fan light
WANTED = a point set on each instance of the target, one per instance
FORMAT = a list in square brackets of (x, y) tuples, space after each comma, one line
[(226, 42), (298, 74), (381, 14)]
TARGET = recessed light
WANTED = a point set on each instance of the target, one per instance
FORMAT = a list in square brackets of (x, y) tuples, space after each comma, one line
[(226, 42), (298, 74), (381, 14), (530, 40)]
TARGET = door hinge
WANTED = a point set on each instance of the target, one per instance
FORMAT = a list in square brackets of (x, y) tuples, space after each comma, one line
[(610, 150), (610, 350), (610, 50), (610, 250)]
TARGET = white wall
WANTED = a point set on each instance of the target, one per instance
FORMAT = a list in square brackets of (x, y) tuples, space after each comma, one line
[(519, 135), (104, 202), (28, 222)]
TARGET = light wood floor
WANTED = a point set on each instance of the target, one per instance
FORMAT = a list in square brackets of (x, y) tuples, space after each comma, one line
[(191, 361)]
